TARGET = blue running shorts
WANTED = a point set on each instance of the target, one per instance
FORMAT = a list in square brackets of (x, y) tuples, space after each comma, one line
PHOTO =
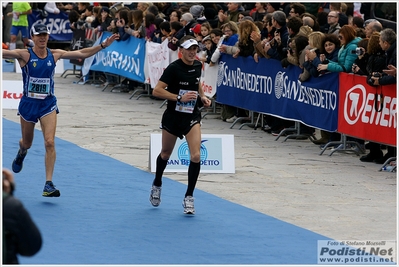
[(31, 110), (16, 29)]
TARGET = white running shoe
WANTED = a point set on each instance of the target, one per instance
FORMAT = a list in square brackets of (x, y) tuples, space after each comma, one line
[(232, 119), (188, 205), (155, 195)]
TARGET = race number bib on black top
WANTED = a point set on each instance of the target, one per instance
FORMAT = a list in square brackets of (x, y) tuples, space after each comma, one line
[(38, 88), (186, 107)]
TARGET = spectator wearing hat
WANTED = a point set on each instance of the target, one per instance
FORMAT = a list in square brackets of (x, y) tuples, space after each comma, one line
[(211, 13), (198, 13), (198, 36), (271, 7), (105, 19), (210, 48)]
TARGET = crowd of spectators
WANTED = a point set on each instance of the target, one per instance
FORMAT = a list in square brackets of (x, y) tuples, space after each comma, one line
[(317, 37)]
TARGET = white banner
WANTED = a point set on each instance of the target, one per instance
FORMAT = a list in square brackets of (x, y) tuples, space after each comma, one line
[(12, 93), (217, 154), (157, 56), (209, 78)]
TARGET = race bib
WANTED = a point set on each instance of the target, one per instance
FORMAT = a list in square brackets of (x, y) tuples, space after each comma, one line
[(38, 88), (186, 107)]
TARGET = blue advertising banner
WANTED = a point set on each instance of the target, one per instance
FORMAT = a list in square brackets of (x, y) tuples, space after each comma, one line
[(124, 58), (57, 23), (267, 87)]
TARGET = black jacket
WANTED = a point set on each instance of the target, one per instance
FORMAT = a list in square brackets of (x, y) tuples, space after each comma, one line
[(390, 60), (21, 235)]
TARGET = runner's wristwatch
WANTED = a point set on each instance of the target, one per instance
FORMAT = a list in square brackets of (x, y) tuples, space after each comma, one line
[(178, 98)]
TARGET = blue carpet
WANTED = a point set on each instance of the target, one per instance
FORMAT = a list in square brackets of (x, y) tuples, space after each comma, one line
[(104, 216), (8, 67)]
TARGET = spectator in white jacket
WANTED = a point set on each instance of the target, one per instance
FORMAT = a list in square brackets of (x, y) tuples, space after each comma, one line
[(51, 7)]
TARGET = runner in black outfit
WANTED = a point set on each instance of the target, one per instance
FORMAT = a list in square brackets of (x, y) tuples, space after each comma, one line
[(180, 85)]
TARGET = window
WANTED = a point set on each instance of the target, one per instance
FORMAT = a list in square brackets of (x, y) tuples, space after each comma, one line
[(385, 13)]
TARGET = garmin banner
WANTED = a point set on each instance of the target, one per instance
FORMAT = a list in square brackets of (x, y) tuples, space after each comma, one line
[(124, 58), (267, 87), (367, 112), (57, 23)]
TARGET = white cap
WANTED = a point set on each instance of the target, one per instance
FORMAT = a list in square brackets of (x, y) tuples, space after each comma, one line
[(188, 43)]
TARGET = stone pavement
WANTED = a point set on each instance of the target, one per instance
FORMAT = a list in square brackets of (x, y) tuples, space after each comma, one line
[(337, 196)]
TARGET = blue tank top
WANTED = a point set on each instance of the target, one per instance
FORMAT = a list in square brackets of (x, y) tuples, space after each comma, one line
[(38, 75)]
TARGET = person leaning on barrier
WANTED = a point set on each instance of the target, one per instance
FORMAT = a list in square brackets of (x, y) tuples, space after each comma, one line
[(359, 67), (244, 47), (387, 42), (260, 40), (122, 24), (20, 234), (346, 57), (136, 24), (330, 46), (275, 47), (230, 38), (391, 70), (175, 27), (105, 20)]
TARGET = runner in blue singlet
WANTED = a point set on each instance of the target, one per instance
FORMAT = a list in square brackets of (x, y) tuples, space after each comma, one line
[(38, 102)]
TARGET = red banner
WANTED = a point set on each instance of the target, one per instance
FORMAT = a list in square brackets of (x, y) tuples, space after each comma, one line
[(367, 112)]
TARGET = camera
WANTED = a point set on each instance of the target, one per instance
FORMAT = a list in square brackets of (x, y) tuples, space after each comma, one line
[(358, 51), (286, 49), (371, 81)]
